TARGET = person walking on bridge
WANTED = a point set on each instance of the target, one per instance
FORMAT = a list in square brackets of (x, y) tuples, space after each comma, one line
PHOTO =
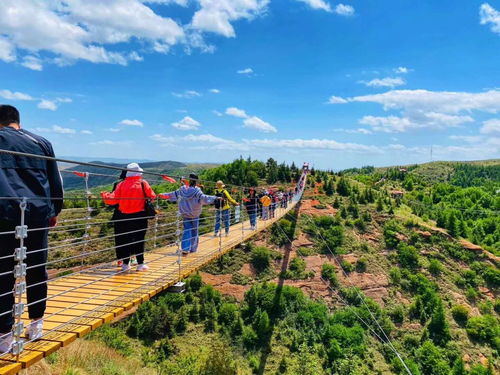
[(252, 204), (131, 220), (222, 207), (191, 200), (39, 181)]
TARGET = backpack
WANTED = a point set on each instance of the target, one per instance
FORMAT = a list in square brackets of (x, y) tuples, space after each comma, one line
[(220, 203)]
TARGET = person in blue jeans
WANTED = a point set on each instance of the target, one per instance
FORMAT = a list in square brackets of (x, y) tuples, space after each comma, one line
[(223, 208), (252, 204), (191, 201)]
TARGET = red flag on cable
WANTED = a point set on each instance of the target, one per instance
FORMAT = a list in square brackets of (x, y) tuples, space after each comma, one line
[(169, 179), (80, 174)]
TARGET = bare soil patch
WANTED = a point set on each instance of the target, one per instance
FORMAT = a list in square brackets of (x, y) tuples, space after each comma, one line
[(223, 285), (307, 207)]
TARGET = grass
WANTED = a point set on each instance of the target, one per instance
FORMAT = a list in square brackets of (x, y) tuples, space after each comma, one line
[(85, 357)]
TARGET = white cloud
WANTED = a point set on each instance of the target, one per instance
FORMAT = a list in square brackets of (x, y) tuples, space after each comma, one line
[(47, 104), (216, 15), (354, 131), (7, 50), (10, 95), (114, 130), (489, 15), (201, 142), (32, 62), (236, 112), (60, 130), (313, 144), (215, 91), (251, 122), (344, 10), (415, 120), (127, 122), (336, 100), (466, 138), (188, 94), (82, 29), (258, 124), (217, 113), (108, 142), (491, 127), (318, 4), (401, 70), (162, 139), (86, 132), (434, 101), (246, 71), (385, 82), (55, 129), (187, 123)]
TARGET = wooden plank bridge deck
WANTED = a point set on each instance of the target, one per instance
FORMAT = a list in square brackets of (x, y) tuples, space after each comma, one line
[(83, 301)]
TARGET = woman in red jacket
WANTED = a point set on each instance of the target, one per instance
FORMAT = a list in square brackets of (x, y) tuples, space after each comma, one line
[(131, 221)]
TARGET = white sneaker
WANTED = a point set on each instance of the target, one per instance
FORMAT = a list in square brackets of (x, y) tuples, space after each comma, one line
[(216, 234), (35, 330), (126, 268), (142, 268), (6, 340), (227, 234)]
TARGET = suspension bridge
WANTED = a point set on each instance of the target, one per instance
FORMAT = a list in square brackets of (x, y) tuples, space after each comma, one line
[(88, 296)]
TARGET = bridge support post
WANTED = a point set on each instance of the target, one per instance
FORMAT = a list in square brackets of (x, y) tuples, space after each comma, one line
[(20, 283), (157, 206), (86, 234), (178, 242)]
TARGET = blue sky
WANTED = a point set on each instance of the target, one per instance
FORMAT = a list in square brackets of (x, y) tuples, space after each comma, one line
[(339, 84)]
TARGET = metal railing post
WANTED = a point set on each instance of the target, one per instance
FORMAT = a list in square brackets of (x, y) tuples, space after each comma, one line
[(220, 217), (178, 242), (88, 194), (157, 206), (20, 255)]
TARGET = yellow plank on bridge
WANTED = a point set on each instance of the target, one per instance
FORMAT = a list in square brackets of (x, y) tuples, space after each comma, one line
[(9, 368)]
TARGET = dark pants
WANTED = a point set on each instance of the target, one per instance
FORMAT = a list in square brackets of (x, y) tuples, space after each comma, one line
[(126, 243), (36, 240)]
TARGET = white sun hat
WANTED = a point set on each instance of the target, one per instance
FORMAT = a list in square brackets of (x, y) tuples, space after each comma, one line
[(134, 166)]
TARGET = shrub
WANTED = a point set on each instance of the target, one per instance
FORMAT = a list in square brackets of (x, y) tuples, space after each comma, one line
[(260, 258), (361, 264), (492, 277), (408, 256), (194, 283), (460, 313), (471, 294), (435, 267), (346, 266), (306, 251), (297, 270), (486, 307), (360, 224), (483, 328), (328, 273), (240, 279), (395, 275), (397, 314), (391, 230)]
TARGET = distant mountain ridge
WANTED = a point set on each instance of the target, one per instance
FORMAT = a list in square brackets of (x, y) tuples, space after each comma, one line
[(174, 168)]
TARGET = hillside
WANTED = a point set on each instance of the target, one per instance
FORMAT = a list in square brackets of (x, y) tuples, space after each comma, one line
[(317, 293)]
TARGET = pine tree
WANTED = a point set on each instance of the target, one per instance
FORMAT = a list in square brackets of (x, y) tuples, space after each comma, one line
[(329, 190), (439, 330), (336, 202)]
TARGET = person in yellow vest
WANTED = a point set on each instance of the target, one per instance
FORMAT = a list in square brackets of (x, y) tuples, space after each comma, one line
[(266, 203), (222, 207)]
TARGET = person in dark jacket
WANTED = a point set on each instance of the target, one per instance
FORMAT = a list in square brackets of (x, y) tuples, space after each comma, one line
[(252, 204), (39, 181)]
